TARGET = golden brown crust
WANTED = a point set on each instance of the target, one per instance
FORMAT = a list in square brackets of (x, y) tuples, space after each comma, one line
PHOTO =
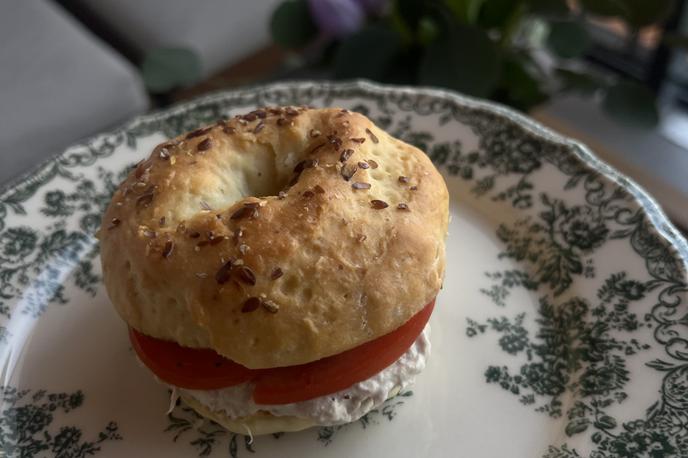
[(254, 425), (182, 242)]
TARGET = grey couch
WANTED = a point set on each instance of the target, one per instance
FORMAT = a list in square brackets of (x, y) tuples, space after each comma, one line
[(60, 83)]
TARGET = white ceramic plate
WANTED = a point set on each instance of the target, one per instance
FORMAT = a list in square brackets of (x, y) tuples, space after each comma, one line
[(561, 331)]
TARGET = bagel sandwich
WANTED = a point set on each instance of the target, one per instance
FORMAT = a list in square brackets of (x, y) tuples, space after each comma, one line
[(278, 269)]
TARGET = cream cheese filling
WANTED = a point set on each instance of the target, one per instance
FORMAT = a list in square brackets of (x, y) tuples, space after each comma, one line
[(341, 407)]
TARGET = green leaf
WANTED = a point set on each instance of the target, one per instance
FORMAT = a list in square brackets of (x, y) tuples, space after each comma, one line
[(640, 13), (520, 86), (578, 82), (605, 7), (465, 60), (496, 13), (549, 7), (465, 11), (291, 24), (164, 69), (410, 12), (367, 54), (576, 426), (568, 39), (428, 30), (631, 103)]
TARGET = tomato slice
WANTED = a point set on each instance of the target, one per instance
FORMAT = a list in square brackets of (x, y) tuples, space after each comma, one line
[(192, 368), (328, 375), (204, 369)]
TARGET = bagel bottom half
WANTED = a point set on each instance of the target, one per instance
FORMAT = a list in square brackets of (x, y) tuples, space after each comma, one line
[(254, 425)]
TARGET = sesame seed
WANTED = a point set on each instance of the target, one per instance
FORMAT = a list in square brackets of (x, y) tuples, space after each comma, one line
[(372, 164), (305, 164), (168, 249), (346, 154), (378, 204), (372, 136), (361, 238), (348, 172), (205, 206), (145, 199), (229, 130), (251, 305), (270, 306), (358, 140), (363, 165), (260, 113), (360, 185), (216, 240), (205, 145), (164, 154), (314, 133), (281, 195), (114, 223), (291, 112), (308, 194), (141, 170), (318, 189), (402, 206), (403, 179), (245, 211), (195, 235), (149, 233), (162, 221), (334, 140), (260, 126), (223, 274), (243, 248), (198, 132), (250, 117), (414, 188), (276, 273), (246, 275), (284, 122), (201, 275)]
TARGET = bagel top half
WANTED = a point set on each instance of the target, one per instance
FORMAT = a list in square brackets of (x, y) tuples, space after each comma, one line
[(276, 238)]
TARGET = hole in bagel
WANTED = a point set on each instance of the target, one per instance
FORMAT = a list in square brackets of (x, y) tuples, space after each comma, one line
[(247, 170)]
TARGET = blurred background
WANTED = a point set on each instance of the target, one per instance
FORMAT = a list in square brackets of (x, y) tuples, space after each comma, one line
[(611, 73)]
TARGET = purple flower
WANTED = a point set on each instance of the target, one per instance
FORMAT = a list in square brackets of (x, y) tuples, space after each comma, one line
[(337, 17)]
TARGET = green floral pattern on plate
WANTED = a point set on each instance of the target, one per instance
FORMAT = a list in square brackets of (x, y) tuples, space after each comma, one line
[(27, 430)]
